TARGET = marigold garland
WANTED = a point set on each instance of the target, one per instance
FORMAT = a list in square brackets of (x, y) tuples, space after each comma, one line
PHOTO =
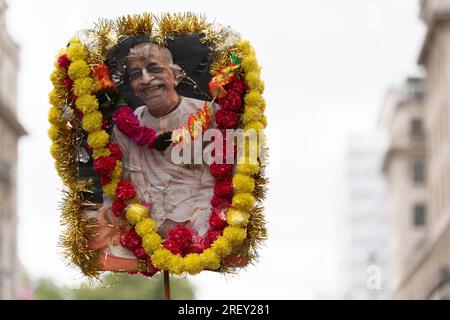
[(239, 228)]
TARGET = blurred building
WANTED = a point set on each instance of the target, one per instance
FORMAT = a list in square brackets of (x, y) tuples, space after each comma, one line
[(364, 272), (10, 132), (405, 168)]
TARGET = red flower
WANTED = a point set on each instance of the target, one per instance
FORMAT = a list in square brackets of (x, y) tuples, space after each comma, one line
[(172, 246), (221, 171), (217, 220), (223, 188), (68, 83), (226, 119), (115, 150), (130, 239), (145, 137), (104, 180), (219, 202), (104, 165), (63, 61), (236, 85), (73, 97), (231, 102), (125, 190), (198, 244), (152, 270), (126, 121), (212, 235), (139, 253), (182, 236), (118, 207)]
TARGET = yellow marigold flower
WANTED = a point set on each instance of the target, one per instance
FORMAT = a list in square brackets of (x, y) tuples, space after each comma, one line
[(74, 40), (87, 103), (83, 86), (79, 69), (221, 247), (247, 167), (255, 125), (55, 99), (243, 183), (237, 218), (110, 189), (57, 76), (53, 132), (176, 265), (193, 263), (102, 152), (54, 116), (162, 259), (235, 235), (243, 201), (76, 52), (98, 139), (136, 212), (250, 64), (92, 121), (264, 121), (210, 259), (145, 226), (251, 114), (151, 242), (245, 47), (263, 105), (118, 169), (253, 81), (253, 99)]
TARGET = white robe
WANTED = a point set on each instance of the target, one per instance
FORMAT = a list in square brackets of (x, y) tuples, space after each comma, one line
[(179, 193)]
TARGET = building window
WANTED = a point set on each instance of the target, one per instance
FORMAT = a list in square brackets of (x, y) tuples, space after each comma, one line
[(417, 128), (418, 172), (420, 215)]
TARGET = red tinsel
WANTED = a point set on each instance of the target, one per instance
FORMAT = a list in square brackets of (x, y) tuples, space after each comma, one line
[(104, 165), (125, 190)]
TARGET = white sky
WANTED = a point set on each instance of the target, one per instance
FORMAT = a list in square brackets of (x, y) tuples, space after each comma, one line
[(326, 65)]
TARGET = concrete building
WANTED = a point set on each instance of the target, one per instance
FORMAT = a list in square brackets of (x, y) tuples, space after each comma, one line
[(405, 169), (10, 132), (428, 276), (363, 229)]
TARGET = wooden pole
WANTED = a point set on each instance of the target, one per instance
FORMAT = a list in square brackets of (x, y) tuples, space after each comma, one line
[(166, 285)]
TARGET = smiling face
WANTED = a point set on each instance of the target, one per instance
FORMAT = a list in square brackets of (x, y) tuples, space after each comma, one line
[(151, 76)]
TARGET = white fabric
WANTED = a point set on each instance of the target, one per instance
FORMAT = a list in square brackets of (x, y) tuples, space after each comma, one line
[(179, 193)]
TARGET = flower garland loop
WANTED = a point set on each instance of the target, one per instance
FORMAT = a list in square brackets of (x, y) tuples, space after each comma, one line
[(77, 81)]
